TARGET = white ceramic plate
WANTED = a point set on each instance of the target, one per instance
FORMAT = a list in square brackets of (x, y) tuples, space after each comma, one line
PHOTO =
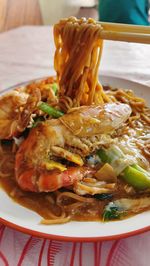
[(22, 219)]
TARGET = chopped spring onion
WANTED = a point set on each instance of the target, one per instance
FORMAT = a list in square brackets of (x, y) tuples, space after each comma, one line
[(137, 177), (55, 88), (134, 175), (46, 108)]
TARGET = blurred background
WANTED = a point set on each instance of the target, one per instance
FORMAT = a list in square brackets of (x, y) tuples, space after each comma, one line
[(14, 13)]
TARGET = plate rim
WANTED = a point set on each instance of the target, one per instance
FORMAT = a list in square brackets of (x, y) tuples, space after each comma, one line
[(63, 237), (73, 239)]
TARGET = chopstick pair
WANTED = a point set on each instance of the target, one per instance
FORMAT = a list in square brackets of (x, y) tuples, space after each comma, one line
[(125, 32)]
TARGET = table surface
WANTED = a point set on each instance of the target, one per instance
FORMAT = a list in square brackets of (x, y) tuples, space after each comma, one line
[(27, 53)]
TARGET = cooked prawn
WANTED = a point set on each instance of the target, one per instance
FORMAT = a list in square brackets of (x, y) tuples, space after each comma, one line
[(16, 108), (73, 136)]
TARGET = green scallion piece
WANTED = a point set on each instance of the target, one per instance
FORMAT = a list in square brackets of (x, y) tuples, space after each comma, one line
[(46, 108), (55, 88), (134, 175)]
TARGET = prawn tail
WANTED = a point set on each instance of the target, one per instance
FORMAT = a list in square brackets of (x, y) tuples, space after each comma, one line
[(49, 181)]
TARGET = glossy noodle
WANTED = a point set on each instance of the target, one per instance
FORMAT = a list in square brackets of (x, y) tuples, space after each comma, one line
[(77, 57)]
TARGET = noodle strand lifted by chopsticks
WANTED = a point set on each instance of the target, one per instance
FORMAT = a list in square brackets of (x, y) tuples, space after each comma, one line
[(76, 61)]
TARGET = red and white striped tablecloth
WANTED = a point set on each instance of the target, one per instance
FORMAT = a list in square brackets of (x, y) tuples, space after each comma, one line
[(18, 249)]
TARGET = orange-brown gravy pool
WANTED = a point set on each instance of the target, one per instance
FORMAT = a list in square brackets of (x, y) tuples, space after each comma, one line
[(45, 203)]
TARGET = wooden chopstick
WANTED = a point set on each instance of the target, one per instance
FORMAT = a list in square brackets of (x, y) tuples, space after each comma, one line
[(119, 27), (125, 32), (119, 32), (125, 37)]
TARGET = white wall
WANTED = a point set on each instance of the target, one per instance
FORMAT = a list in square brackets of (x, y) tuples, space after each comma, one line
[(53, 10)]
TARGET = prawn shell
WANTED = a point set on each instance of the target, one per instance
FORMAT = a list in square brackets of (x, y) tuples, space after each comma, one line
[(87, 121)]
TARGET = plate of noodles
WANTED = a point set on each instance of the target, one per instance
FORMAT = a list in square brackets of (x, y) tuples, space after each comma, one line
[(74, 148)]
